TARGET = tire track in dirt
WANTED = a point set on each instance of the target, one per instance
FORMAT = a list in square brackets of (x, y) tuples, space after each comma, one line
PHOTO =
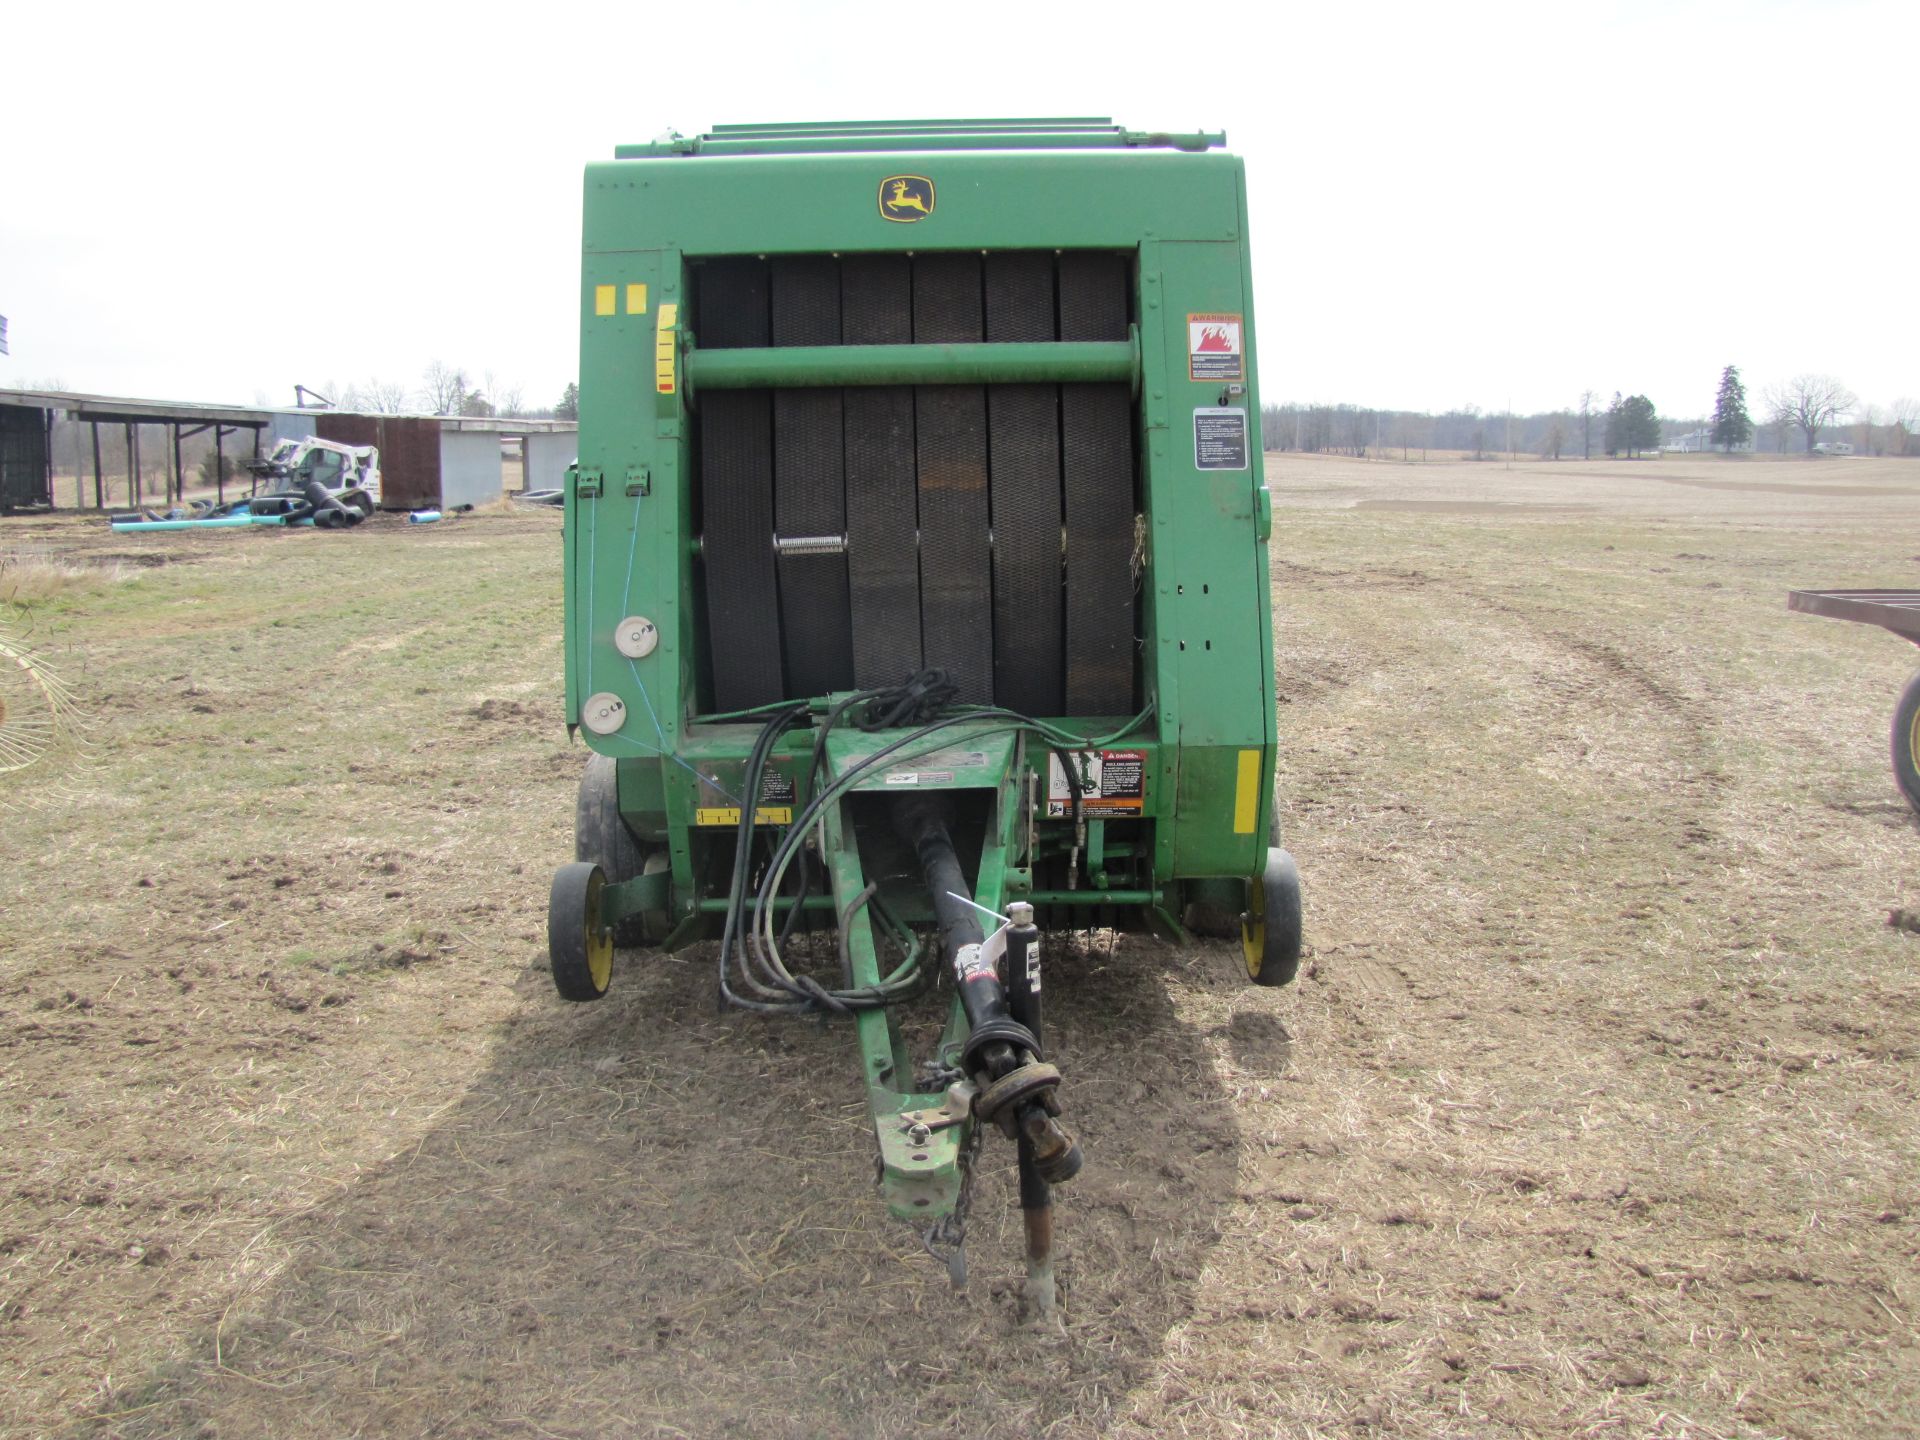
[(1522, 1061)]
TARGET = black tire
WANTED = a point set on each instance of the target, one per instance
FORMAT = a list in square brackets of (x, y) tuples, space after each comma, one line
[(1210, 921), (579, 947), (1906, 743), (601, 837), (1271, 936), (1215, 920)]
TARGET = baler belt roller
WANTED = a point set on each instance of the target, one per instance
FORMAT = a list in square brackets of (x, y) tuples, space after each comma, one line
[(736, 471), (1096, 443), (1023, 432), (876, 300), (809, 498), (950, 450), (989, 526)]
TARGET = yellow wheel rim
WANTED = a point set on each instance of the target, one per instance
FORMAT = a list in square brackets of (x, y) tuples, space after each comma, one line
[(599, 938), (1913, 741), (1253, 929)]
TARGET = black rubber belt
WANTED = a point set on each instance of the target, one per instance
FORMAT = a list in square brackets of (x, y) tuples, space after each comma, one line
[(950, 446), (883, 561), (809, 470), (1023, 453), (736, 489), (1096, 429)]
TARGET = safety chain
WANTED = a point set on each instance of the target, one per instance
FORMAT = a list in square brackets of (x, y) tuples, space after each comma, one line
[(946, 1239)]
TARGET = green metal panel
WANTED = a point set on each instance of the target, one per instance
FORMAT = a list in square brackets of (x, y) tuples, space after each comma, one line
[(812, 204)]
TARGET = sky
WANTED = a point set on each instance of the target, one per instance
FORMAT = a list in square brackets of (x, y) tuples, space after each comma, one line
[(1488, 204)]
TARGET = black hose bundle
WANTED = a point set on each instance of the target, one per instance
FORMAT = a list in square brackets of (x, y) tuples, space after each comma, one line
[(753, 973)]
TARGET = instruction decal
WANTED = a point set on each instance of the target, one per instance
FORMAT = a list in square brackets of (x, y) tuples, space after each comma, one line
[(1112, 783), (1220, 438), (778, 794), (1214, 349)]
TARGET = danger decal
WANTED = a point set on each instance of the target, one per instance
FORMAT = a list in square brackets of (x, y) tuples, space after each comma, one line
[(1111, 783)]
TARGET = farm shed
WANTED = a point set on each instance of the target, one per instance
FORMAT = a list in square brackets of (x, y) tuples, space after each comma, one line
[(179, 419)]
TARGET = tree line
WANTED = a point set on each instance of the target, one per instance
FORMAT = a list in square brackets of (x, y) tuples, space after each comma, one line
[(443, 389), (1794, 416)]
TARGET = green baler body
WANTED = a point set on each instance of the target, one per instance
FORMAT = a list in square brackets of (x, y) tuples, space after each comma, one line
[(632, 536)]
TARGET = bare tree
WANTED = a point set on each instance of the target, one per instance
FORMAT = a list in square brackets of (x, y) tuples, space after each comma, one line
[(1588, 399), (1556, 437), (1905, 413), (383, 397), (504, 398), (1780, 422), (1865, 420), (444, 388), (1811, 403)]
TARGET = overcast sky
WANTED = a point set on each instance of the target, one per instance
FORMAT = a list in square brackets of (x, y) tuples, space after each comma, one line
[(1452, 203)]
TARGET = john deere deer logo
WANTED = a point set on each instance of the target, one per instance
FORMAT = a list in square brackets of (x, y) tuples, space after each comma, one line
[(906, 198)]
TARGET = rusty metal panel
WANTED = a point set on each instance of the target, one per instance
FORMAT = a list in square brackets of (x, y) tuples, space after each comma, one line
[(409, 453)]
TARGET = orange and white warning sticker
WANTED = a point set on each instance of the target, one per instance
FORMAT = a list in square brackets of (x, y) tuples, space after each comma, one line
[(1214, 348)]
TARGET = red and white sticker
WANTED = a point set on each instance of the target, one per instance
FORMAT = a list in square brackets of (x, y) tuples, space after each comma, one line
[(1109, 782), (1214, 348)]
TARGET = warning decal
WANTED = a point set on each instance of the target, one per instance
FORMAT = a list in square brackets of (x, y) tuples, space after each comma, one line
[(1214, 348), (1220, 439), (1111, 783)]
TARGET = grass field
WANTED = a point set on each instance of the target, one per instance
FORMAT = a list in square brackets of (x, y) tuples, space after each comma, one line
[(1592, 1113)]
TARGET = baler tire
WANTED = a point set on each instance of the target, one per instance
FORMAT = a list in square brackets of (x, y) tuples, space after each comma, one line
[(601, 836), (1270, 933), (579, 947), (1906, 743), (1211, 922)]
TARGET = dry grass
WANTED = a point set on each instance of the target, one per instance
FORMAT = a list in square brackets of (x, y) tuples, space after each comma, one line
[(1592, 1113), (28, 579)]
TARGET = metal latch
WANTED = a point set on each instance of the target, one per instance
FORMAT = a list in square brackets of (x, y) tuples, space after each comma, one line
[(955, 1106), (639, 481), (586, 483)]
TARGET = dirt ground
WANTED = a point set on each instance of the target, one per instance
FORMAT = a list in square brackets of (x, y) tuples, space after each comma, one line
[(1592, 1113)]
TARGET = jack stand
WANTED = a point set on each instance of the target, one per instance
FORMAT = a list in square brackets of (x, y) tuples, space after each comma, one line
[(1038, 1296)]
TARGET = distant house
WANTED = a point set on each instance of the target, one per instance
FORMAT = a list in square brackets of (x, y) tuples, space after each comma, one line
[(1833, 447), (1696, 442)]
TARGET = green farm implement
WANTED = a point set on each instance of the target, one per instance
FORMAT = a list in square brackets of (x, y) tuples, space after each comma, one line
[(916, 594)]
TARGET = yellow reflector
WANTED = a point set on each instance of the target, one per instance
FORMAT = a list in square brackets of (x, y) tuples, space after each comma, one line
[(636, 299), (665, 356), (603, 299), (1246, 793)]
